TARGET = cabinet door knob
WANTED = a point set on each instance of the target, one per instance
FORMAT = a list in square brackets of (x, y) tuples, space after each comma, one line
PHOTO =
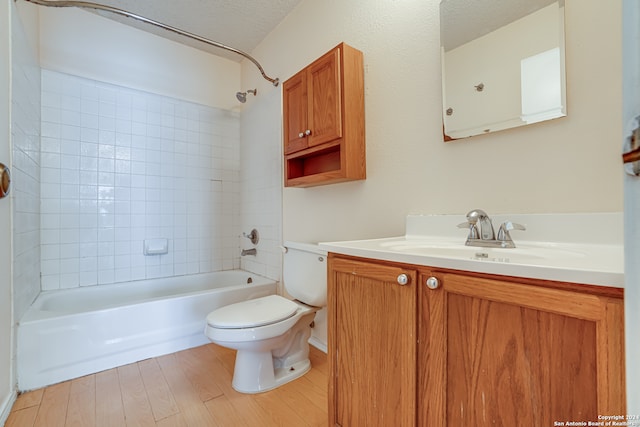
[(5, 180), (403, 279), (301, 135), (433, 283), (307, 132)]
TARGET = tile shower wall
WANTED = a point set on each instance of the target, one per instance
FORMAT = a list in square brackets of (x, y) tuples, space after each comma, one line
[(261, 178), (25, 192), (119, 166)]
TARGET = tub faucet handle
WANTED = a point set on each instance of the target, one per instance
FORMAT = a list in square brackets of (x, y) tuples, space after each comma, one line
[(254, 237)]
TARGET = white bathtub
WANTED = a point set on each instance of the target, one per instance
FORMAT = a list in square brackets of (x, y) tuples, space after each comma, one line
[(70, 333)]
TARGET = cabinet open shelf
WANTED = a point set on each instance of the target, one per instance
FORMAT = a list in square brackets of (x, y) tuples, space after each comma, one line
[(317, 162)]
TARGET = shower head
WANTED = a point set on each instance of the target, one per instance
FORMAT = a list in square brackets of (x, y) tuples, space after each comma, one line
[(242, 96)]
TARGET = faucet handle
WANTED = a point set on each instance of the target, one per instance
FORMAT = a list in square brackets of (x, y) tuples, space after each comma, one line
[(254, 237), (473, 229), (503, 232)]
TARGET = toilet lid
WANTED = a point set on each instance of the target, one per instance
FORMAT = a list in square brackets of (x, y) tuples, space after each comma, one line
[(252, 313)]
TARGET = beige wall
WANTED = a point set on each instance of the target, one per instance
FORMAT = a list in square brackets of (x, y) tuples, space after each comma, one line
[(567, 165)]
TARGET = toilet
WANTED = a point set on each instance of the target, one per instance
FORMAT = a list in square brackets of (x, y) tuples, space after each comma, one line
[(271, 333)]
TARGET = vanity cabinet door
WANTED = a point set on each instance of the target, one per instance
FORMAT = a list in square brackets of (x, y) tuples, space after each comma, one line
[(372, 344), (504, 353)]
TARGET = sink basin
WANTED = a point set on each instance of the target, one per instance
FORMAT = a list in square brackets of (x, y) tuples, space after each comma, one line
[(480, 254), (527, 254)]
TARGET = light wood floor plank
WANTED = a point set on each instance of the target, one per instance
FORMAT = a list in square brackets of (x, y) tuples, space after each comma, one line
[(224, 412), (137, 409), (196, 415), (25, 417), (191, 388), (109, 409), (319, 374), (82, 403), (53, 409), (314, 389), (252, 412), (279, 411), (176, 420), (302, 396), (28, 399), (196, 369), (162, 402), (180, 386), (319, 380), (187, 397), (226, 356)]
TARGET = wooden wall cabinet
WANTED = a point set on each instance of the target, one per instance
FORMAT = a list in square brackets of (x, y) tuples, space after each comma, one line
[(489, 350), (323, 108)]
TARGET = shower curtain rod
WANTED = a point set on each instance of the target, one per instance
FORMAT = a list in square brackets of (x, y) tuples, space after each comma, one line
[(88, 5)]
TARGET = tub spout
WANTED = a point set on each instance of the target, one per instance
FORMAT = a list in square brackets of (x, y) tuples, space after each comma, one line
[(246, 252)]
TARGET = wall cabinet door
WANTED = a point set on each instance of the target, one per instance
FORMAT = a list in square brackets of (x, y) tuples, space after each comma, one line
[(372, 344), (325, 99), (312, 104), (504, 353), (294, 93)]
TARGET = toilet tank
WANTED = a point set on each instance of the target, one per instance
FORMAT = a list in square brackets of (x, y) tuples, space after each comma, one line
[(304, 273)]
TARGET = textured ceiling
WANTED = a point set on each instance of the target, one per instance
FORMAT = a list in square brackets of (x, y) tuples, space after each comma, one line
[(466, 20), (241, 24)]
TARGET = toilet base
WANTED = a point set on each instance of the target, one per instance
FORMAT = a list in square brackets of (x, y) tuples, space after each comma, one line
[(265, 378), (276, 362)]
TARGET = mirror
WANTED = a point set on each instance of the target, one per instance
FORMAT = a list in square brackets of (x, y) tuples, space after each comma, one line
[(502, 64)]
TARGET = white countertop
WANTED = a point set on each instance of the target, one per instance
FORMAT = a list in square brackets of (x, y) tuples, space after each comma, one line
[(569, 259)]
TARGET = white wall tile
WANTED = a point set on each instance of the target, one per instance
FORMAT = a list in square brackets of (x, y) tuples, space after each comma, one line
[(120, 165), (26, 160), (260, 185)]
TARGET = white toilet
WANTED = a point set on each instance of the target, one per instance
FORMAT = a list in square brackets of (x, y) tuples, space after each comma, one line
[(271, 333)]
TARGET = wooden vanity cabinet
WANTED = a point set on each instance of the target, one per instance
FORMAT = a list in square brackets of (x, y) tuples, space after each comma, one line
[(323, 108), (372, 344), (489, 350), (501, 352)]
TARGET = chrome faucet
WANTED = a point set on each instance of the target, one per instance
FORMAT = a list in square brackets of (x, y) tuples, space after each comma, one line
[(484, 227), (246, 252), (481, 232)]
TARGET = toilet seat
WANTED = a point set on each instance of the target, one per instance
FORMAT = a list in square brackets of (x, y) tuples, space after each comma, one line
[(253, 313)]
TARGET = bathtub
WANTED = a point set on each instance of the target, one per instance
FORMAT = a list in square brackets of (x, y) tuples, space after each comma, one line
[(70, 333)]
